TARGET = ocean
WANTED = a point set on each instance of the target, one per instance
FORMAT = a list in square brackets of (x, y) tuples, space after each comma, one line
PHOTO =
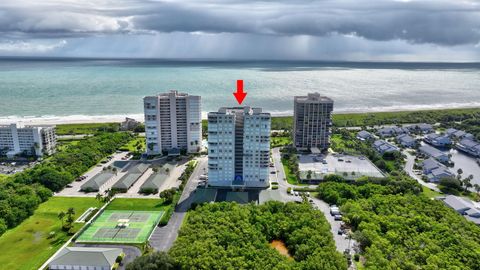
[(88, 88)]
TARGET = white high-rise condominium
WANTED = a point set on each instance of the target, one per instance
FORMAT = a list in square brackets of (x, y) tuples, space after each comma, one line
[(312, 121), (18, 139), (239, 148), (173, 123)]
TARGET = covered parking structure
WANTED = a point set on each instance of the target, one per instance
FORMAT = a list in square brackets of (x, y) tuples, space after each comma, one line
[(133, 174), (96, 182)]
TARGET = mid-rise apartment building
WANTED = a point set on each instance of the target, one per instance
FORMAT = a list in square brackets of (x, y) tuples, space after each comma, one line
[(312, 121), (173, 122), (18, 139), (239, 147)]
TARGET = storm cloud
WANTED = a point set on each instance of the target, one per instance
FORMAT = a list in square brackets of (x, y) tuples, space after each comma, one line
[(438, 22), (313, 28)]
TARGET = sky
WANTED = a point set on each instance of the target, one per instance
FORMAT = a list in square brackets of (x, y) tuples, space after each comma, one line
[(343, 30)]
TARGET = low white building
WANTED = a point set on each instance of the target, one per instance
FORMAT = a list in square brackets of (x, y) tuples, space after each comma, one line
[(18, 139), (85, 258)]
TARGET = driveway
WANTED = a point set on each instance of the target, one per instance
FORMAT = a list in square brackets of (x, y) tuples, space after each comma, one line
[(409, 169)]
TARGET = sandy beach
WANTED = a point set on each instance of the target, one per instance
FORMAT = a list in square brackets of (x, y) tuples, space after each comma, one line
[(116, 118)]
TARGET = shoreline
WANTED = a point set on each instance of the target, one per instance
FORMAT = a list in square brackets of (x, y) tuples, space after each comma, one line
[(117, 118)]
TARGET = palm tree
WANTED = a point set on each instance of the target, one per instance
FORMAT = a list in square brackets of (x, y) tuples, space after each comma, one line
[(459, 173), (61, 215), (99, 197), (477, 188), (466, 183)]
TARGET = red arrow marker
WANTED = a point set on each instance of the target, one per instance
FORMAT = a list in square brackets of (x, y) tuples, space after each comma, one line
[(240, 95)]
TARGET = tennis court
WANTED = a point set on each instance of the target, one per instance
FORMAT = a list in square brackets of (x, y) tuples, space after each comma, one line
[(121, 226)]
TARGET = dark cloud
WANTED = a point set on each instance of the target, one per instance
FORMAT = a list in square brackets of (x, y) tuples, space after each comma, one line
[(441, 22)]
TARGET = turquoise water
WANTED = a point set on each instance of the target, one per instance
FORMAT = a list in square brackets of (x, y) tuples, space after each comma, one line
[(94, 87)]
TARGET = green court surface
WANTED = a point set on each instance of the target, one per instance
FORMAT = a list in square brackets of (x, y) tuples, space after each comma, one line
[(121, 226)]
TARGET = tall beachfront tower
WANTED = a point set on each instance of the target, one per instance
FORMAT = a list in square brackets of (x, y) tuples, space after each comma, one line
[(239, 148), (18, 139), (312, 121), (173, 123)]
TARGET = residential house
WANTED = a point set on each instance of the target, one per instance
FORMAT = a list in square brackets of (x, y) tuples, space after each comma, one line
[(364, 135), (458, 134), (384, 147), (385, 132), (406, 140), (420, 128), (463, 207), (438, 140), (129, 124), (430, 164), (438, 174), (469, 146), (434, 153)]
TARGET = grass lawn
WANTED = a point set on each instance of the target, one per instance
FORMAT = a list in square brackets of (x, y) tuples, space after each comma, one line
[(137, 204), (27, 246), (430, 193), (291, 178), (133, 144), (280, 141), (90, 128)]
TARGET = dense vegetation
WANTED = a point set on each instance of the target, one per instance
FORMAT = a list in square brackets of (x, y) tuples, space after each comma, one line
[(337, 191), (231, 236), (88, 128), (154, 261), (22, 193), (396, 229)]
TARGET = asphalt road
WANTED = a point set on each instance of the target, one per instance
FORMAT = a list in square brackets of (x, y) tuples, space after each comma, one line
[(162, 238), (409, 169)]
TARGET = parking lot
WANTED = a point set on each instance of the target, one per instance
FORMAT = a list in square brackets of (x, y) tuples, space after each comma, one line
[(8, 168), (351, 167), (73, 189)]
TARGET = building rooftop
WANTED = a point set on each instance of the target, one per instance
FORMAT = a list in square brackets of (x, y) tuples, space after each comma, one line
[(364, 134), (405, 138), (86, 256), (431, 151), (245, 109), (431, 164), (469, 143), (313, 98)]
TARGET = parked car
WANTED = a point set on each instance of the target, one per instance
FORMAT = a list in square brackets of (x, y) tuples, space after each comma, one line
[(337, 217), (334, 211)]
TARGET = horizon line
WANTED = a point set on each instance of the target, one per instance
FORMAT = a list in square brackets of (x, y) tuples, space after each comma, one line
[(19, 57)]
